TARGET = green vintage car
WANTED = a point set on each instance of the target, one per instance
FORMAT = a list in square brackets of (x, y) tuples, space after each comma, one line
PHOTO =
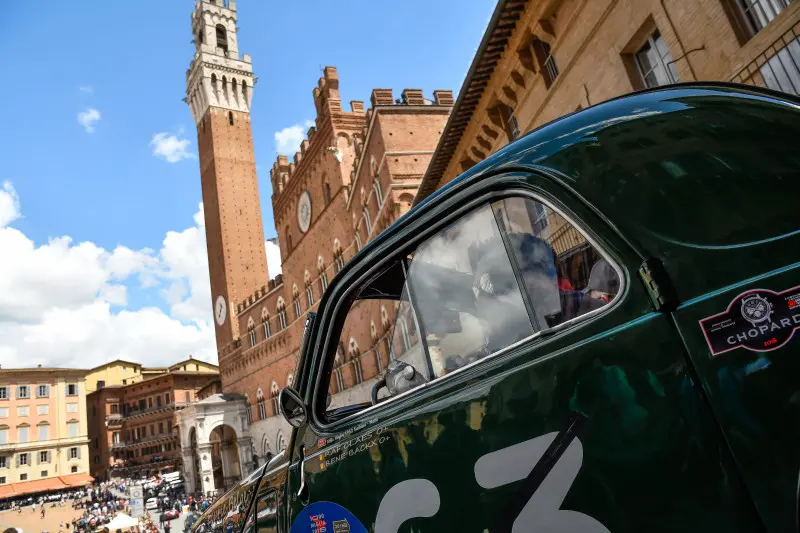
[(591, 331)]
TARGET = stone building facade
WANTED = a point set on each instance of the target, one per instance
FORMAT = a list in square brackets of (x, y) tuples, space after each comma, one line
[(132, 427), (542, 59), (356, 172), (43, 431)]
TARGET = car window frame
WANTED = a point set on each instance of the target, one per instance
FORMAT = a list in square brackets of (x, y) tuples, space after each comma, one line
[(323, 374)]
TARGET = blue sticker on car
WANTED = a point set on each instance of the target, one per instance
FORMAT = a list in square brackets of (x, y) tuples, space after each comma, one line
[(326, 517)]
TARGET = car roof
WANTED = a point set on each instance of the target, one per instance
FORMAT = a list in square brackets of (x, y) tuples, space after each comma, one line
[(672, 169)]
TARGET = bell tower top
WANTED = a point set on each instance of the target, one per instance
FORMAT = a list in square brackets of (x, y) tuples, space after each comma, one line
[(216, 76)]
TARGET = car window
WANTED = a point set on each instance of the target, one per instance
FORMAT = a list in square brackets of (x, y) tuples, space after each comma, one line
[(264, 517), (496, 276)]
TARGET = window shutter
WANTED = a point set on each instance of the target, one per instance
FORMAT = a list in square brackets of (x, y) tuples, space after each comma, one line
[(17, 456), (49, 456), (79, 452)]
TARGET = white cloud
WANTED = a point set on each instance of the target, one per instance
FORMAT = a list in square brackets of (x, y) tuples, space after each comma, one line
[(67, 304), (287, 141), (170, 147), (9, 204), (273, 258), (86, 89), (88, 118)]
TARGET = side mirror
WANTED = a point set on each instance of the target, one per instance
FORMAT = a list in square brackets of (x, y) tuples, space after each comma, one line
[(292, 407)]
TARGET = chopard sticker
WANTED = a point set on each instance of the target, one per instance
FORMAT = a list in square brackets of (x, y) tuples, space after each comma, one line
[(759, 320)]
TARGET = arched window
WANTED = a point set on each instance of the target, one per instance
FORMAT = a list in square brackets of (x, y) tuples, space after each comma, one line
[(290, 380), (367, 220), (274, 390), (326, 192), (281, 442), (225, 89), (214, 86), (265, 323), (338, 256), (358, 241), (251, 331), (245, 94), (296, 301), (201, 38), (309, 289), (248, 408), (222, 38), (376, 186), (262, 408), (235, 92), (281, 313), (373, 331), (373, 166)]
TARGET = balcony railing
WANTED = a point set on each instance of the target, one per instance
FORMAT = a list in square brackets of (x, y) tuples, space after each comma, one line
[(141, 442), (133, 466), (149, 410), (777, 67)]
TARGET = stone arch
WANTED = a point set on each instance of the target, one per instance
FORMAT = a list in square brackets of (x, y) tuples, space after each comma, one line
[(281, 440), (266, 447), (307, 278), (264, 314), (373, 331), (251, 324), (281, 304), (274, 388), (320, 263), (290, 380), (342, 137), (373, 167), (337, 246), (295, 292)]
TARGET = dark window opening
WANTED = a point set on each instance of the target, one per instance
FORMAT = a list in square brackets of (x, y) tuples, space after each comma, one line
[(222, 38), (545, 60), (230, 118)]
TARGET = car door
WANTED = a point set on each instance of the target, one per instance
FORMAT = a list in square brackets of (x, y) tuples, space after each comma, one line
[(544, 392)]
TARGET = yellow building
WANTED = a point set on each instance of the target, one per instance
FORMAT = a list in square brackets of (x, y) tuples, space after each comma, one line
[(117, 372), (193, 365), (44, 442)]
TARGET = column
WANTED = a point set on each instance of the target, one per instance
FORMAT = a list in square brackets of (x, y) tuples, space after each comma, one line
[(189, 475), (246, 456), (206, 469)]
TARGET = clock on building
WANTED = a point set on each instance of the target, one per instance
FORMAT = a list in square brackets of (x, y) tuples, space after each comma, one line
[(220, 310), (304, 211)]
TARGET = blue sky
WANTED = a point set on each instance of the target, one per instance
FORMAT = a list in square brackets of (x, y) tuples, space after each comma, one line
[(122, 66)]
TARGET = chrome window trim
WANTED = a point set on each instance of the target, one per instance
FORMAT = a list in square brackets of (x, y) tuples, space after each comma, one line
[(322, 429)]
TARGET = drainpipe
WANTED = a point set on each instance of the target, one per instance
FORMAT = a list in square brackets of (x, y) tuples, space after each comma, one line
[(677, 36)]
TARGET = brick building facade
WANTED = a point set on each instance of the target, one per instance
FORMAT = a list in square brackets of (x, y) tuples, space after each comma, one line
[(132, 427), (356, 172), (540, 60)]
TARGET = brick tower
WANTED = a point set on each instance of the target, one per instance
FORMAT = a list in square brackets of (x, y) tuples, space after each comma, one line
[(219, 89)]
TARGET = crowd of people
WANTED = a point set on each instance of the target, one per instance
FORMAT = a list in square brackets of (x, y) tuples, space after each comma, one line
[(100, 503)]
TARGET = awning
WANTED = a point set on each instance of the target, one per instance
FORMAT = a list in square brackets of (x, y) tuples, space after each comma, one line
[(77, 480), (32, 487), (72, 481)]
